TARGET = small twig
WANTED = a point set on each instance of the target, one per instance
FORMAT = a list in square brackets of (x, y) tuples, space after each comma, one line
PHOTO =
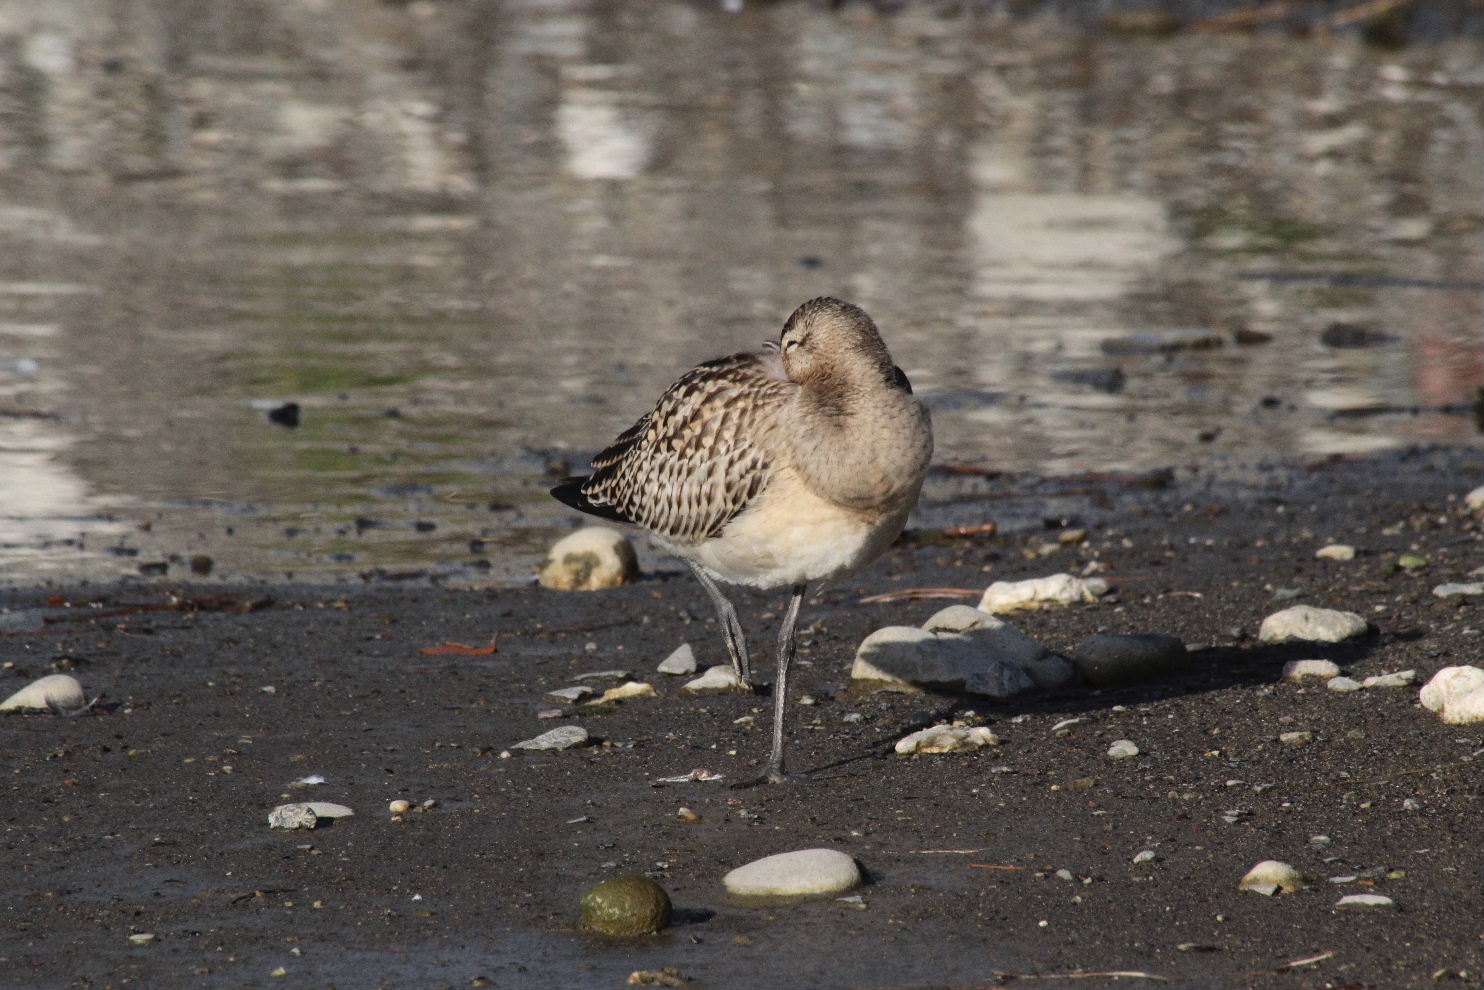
[(1311, 960), (957, 852), (1081, 975), (1362, 12), (994, 866), (905, 593)]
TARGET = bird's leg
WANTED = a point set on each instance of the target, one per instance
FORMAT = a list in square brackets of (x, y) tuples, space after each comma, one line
[(775, 774), (731, 626)]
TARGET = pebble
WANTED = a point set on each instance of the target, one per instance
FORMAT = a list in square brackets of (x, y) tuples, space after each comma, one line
[(1336, 551), (1127, 658), (142, 938), (59, 692), (1475, 499), (562, 737), (905, 658), (603, 675), (1066, 725), (1275, 874), (947, 739), (717, 680), (1343, 684), (1123, 749), (1315, 625), (292, 816), (682, 661), (1456, 693), (999, 679), (1055, 589), (399, 807), (1145, 856), (1453, 590), (628, 689), (1302, 738), (1047, 670), (569, 695), (591, 558), (804, 873), (1401, 678), (1365, 901), (631, 904), (1297, 670)]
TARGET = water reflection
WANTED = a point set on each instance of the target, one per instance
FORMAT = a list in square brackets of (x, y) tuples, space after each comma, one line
[(469, 239)]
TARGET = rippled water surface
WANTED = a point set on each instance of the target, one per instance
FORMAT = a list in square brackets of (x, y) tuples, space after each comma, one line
[(474, 241)]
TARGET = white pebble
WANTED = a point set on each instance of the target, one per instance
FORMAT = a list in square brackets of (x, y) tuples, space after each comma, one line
[(1298, 670), (1342, 684), (1455, 589), (61, 692), (562, 737), (1402, 678), (806, 872), (1299, 738), (1305, 622), (1336, 551), (399, 807), (1272, 872), (628, 689), (1146, 856), (1456, 693), (947, 739), (1123, 749), (682, 661), (1365, 901), (591, 558), (1057, 589), (717, 680), (569, 695)]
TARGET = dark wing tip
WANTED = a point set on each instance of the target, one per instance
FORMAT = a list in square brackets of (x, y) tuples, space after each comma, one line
[(571, 492)]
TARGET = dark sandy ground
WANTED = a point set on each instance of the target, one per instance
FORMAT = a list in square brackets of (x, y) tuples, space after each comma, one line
[(150, 815)]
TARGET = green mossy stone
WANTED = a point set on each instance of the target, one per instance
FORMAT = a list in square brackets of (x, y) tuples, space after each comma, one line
[(626, 905)]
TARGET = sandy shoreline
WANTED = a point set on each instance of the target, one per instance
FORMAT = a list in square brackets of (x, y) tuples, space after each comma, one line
[(150, 816)]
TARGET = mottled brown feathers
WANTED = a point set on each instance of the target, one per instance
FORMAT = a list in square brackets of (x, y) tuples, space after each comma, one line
[(689, 466)]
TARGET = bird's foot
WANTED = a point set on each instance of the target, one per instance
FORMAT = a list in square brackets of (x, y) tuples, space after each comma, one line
[(773, 777)]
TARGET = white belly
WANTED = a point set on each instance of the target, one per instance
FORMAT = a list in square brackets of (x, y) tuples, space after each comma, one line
[(791, 536)]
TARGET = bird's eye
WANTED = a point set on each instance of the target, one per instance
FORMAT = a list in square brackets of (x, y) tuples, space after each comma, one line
[(791, 343)]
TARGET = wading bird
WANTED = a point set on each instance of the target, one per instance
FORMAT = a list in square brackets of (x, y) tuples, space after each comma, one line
[(774, 469)]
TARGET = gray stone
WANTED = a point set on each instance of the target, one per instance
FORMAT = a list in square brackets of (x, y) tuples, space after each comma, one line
[(1300, 738), (562, 737), (1342, 684), (682, 661), (805, 873), (999, 679), (1124, 659), (569, 695), (1365, 901), (1453, 590), (1315, 625), (905, 658)]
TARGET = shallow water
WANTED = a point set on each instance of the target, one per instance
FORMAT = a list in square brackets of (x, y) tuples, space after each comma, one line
[(473, 242)]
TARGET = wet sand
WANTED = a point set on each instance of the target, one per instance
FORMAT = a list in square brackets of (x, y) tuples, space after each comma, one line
[(149, 815)]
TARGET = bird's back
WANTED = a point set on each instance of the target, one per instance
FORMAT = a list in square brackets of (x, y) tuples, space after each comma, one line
[(695, 461)]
